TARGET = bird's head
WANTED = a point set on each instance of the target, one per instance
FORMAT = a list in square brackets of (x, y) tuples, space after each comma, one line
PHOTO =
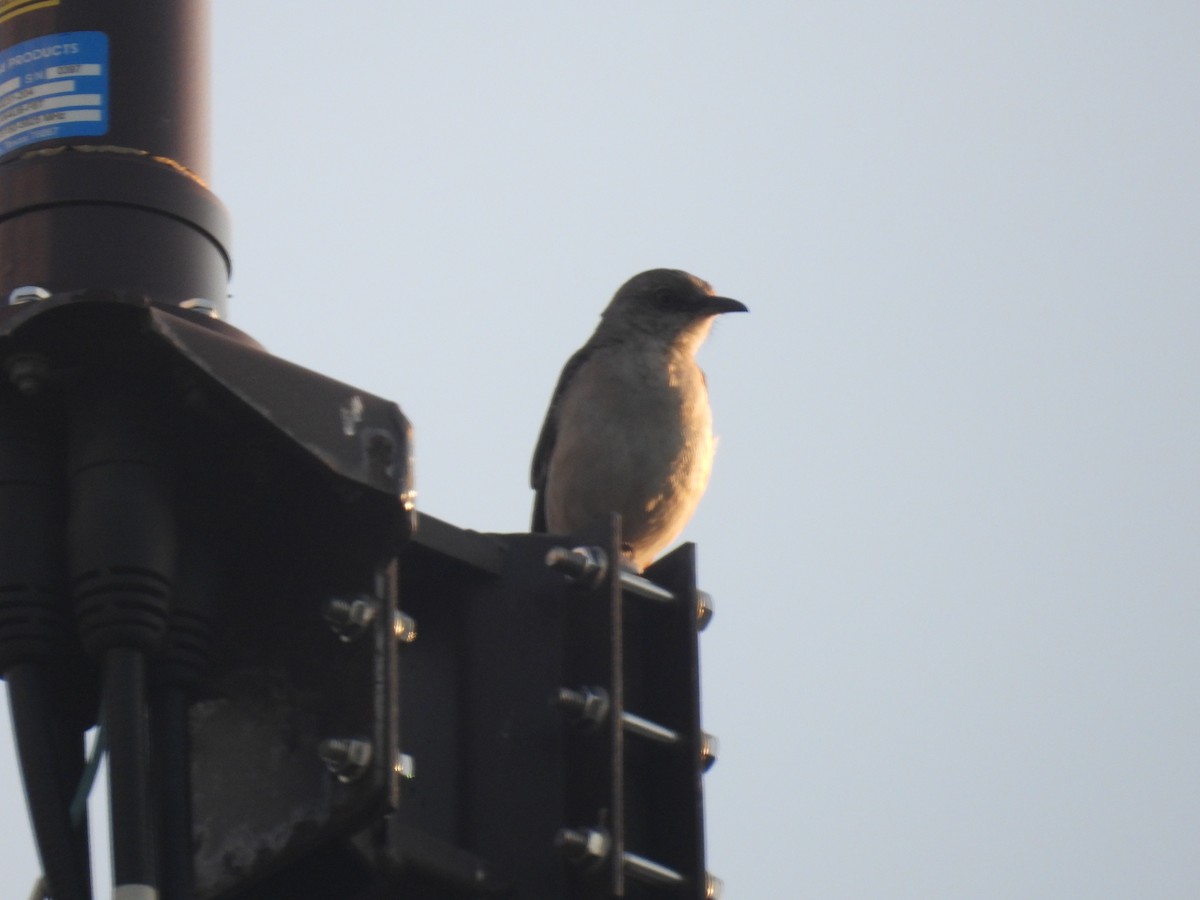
[(668, 304)]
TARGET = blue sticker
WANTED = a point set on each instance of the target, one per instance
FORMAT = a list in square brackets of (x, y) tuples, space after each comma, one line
[(52, 87)]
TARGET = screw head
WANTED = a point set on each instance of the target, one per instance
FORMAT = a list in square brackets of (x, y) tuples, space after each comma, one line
[(704, 609), (201, 305), (351, 413), (710, 748), (404, 627), (406, 766), (27, 293)]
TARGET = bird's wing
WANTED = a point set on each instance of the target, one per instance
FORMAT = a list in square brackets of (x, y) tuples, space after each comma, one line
[(545, 443)]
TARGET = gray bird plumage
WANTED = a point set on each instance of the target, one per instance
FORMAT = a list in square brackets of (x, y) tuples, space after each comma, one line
[(629, 428)]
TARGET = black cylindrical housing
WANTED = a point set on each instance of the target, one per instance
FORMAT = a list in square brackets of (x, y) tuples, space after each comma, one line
[(104, 153), (158, 79)]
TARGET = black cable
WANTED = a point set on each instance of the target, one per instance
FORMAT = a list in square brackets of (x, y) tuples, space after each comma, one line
[(47, 784), (174, 753), (130, 762), (179, 673), (36, 642), (121, 558)]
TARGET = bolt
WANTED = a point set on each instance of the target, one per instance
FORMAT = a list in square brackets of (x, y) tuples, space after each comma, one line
[(404, 627), (710, 748), (347, 758), (649, 871), (201, 305), (27, 293), (704, 609), (352, 415), (585, 846), (713, 887), (583, 564), (644, 587), (590, 705), (349, 618), (406, 766), (649, 730)]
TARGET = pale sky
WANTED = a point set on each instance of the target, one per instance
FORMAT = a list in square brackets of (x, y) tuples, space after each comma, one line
[(954, 514)]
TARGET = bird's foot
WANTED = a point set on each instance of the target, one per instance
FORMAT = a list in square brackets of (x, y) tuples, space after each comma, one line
[(627, 560)]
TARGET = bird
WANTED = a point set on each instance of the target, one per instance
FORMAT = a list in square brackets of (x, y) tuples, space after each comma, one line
[(629, 428)]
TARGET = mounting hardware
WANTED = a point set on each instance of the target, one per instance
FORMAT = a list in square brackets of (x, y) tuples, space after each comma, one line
[(406, 766), (649, 871), (350, 617), (590, 705), (347, 758), (586, 565), (352, 415), (27, 293), (404, 627), (650, 730), (710, 749), (201, 305), (584, 846), (644, 587)]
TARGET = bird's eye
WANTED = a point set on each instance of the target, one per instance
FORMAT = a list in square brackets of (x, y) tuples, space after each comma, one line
[(666, 298)]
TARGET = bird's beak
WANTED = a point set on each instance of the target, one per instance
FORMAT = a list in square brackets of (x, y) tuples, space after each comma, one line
[(717, 305)]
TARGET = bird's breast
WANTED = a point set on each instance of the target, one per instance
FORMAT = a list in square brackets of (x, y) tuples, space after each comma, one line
[(634, 437)]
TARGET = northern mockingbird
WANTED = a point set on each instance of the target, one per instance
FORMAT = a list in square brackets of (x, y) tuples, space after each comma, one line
[(629, 428)]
